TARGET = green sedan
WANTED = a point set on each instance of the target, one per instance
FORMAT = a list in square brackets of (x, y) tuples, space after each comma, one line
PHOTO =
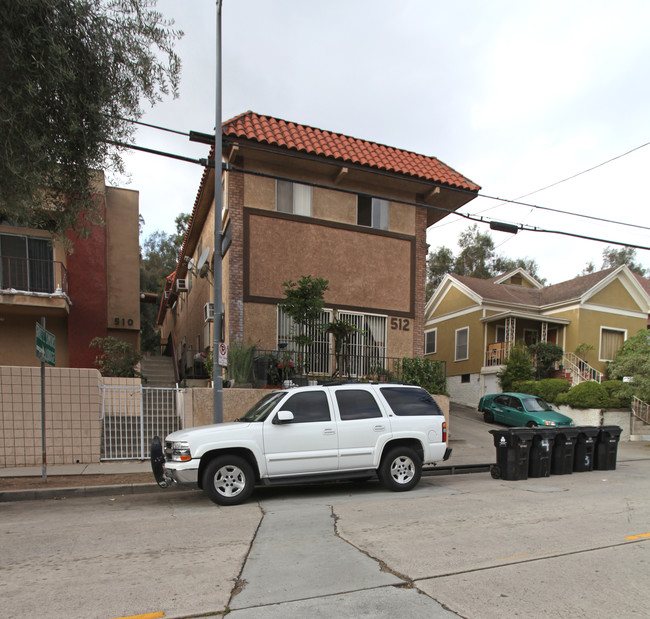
[(520, 409)]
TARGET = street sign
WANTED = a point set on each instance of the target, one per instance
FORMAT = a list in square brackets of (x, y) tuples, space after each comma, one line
[(223, 354), (45, 345)]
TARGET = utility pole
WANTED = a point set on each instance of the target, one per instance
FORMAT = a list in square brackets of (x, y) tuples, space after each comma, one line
[(217, 378)]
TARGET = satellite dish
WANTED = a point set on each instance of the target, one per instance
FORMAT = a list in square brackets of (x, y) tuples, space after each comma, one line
[(204, 256)]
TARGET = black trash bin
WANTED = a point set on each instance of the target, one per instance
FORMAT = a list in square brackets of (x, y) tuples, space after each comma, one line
[(607, 448), (539, 459), (583, 459), (513, 448), (563, 451)]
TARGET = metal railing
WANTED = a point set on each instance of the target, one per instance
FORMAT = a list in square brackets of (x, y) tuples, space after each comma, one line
[(274, 366), (133, 415), (641, 409), (579, 370), (33, 275)]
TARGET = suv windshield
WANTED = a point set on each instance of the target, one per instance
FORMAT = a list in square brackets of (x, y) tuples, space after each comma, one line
[(536, 405), (261, 410)]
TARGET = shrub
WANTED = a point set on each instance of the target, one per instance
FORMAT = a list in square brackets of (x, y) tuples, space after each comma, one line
[(618, 398), (116, 357), (526, 386), (425, 373), (240, 363), (589, 394), (550, 388), (561, 398), (519, 366)]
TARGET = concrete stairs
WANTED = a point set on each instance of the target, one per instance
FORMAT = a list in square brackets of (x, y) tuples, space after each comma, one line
[(639, 430), (159, 371)]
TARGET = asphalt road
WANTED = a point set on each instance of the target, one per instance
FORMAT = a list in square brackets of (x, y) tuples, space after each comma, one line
[(457, 546)]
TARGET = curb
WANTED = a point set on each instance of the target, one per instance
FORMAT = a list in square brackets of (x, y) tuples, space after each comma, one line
[(77, 492)]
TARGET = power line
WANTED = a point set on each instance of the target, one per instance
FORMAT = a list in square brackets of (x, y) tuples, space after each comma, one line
[(229, 167), (477, 194)]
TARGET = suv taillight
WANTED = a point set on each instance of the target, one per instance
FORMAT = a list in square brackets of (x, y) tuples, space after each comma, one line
[(444, 431)]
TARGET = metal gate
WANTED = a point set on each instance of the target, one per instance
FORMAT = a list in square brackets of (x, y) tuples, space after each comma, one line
[(133, 415)]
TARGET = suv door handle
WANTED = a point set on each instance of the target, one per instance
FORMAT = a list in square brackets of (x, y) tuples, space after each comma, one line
[(328, 431), (379, 428)]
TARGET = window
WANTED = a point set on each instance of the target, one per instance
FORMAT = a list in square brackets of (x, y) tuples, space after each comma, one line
[(26, 263), (501, 334), (610, 341), (372, 212), (407, 402), (465, 378), (530, 336), (293, 198), (308, 407), (462, 340), (430, 342), (366, 347), (357, 404), (315, 358)]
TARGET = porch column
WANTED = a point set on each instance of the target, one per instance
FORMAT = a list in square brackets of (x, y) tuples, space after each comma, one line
[(511, 324), (545, 332)]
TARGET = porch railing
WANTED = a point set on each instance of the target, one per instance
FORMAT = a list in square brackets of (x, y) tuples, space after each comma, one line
[(641, 409), (33, 275), (579, 370)]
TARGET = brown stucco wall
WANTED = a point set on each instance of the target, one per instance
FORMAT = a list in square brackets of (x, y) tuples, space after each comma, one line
[(123, 263), (364, 270)]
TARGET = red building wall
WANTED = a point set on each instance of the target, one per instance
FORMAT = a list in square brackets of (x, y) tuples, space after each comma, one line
[(89, 293)]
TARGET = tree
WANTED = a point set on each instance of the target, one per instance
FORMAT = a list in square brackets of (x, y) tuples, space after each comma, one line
[(158, 258), (477, 258), (303, 303), (633, 359), (73, 72), (545, 355), (613, 257)]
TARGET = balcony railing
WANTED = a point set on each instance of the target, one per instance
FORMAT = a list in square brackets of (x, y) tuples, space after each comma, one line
[(580, 370), (32, 275)]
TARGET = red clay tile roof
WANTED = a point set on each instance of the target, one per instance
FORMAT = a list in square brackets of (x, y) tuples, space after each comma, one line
[(301, 138)]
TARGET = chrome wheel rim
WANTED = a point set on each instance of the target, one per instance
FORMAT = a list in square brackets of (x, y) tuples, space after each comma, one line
[(229, 480), (402, 470)]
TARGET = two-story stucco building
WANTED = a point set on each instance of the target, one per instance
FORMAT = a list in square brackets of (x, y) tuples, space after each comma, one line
[(304, 201)]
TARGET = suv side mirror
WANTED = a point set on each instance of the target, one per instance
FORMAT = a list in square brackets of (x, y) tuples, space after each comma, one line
[(283, 417)]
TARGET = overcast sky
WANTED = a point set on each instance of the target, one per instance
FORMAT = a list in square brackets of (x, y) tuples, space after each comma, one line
[(514, 95)]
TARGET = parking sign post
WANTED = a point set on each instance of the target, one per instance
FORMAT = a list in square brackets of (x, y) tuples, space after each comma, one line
[(46, 352)]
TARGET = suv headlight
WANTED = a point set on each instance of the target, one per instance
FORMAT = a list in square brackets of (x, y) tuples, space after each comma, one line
[(181, 451)]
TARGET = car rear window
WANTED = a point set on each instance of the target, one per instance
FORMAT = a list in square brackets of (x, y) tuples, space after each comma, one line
[(407, 401), (357, 404)]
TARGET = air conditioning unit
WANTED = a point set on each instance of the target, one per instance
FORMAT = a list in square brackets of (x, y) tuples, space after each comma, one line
[(182, 285), (208, 312)]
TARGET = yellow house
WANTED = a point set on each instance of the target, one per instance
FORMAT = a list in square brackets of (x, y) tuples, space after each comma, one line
[(303, 201), (472, 324)]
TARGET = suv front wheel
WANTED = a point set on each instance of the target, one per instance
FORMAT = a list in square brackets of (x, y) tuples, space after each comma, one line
[(400, 469), (228, 480)]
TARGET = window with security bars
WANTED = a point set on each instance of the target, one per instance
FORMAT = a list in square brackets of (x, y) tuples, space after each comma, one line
[(366, 348), (317, 358)]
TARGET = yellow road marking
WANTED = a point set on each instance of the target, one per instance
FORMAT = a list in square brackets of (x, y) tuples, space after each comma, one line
[(642, 535), (158, 615)]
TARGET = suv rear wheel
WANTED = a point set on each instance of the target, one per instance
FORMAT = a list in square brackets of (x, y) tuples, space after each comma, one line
[(400, 469), (228, 480)]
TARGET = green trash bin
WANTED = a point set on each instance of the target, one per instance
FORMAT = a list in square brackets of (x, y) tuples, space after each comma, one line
[(583, 459), (607, 448), (563, 451), (539, 459), (513, 448)]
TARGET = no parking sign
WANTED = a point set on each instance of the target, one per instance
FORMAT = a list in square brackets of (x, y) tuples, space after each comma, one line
[(222, 358)]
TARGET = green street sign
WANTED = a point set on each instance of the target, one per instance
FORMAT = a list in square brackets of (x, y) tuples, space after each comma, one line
[(45, 345)]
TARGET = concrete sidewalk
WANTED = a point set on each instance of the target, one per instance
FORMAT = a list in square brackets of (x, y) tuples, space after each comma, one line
[(470, 441)]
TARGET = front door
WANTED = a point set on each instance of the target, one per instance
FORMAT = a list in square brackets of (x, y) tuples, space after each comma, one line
[(309, 443)]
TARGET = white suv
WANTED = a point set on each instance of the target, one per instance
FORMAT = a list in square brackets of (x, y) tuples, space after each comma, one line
[(307, 434)]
